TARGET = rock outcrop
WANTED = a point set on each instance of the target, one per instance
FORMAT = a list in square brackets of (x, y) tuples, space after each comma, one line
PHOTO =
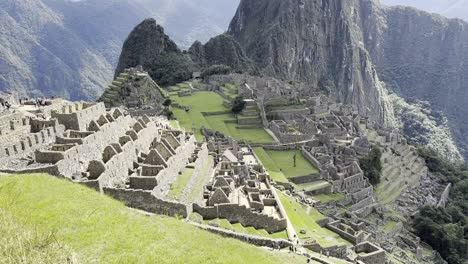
[(148, 46)]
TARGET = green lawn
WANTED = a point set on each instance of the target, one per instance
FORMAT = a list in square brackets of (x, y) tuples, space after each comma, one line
[(174, 124), (270, 165), (56, 217), (204, 101), (178, 187), (199, 102), (197, 186), (283, 161), (303, 217)]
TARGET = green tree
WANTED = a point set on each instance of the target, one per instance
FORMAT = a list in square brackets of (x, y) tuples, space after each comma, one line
[(170, 69), (167, 102), (238, 105), (168, 113), (446, 229), (372, 166)]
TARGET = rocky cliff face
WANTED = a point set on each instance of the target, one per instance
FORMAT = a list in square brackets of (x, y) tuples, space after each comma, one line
[(224, 50), (348, 46), (318, 42), (423, 57), (221, 50)]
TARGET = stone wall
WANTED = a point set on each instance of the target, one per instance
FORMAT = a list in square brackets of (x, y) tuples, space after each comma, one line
[(363, 203), (370, 253), (30, 143), (445, 196), (116, 173), (79, 116), (251, 239), (235, 213), (49, 169), (76, 159), (309, 157), (306, 179), (175, 164), (146, 201), (353, 238)]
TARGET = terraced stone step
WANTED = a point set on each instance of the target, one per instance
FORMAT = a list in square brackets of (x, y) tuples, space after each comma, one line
[(117, 83), (257, 126), (315, 187)]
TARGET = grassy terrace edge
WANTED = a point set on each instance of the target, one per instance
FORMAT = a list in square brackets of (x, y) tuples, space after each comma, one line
[(51, 219)]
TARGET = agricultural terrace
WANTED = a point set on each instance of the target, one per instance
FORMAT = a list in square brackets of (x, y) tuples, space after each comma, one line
[(42, 222), (202, 105)]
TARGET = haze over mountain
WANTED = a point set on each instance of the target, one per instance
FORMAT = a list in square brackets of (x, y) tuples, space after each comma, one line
[(70, 48), (448, 8)]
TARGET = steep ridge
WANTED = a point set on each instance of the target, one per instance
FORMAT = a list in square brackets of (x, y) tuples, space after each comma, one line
[(36, 57), (423, 57), (148, 46), (318, 42)]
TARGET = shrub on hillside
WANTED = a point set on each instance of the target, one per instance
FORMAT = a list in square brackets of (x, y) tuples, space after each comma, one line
[(170, 69), (238, 105), (372, 166), (216, 70), (446, 229)]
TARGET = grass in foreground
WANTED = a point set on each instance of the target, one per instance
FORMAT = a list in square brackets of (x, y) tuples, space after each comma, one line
[(21, 244), (178, 187), (101, 230), (303, 217)]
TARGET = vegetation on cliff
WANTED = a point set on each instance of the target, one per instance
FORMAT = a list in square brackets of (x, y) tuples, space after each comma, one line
[(148, 46), (446, 228)]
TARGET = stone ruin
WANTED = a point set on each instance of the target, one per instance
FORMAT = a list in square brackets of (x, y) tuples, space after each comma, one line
[(135, 90), (240, 192), (133, 159)]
